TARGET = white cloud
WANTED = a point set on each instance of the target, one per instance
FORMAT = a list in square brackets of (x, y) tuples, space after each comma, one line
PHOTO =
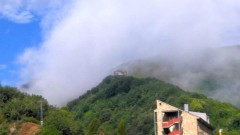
[(15, 11), (89, 38), (22, 17), (25, 11)]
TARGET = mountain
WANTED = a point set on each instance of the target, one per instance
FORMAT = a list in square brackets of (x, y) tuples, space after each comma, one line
[(213, 72), (121, 103), (118, 105)]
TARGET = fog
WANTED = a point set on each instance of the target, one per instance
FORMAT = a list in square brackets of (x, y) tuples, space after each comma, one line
[(212, 72), (85, 40)]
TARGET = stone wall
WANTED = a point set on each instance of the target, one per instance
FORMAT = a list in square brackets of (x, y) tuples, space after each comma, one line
[(189, 124)]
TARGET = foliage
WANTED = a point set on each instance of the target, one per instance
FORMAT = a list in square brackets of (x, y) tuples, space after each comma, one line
[(20, 107), (16, 105), (2, 118), (63, 121), (93, 126), (131, 99), (4, 129), (49, 131), (118, 105), (121, 128)]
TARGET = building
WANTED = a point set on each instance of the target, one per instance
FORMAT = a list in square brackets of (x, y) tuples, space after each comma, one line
[(169, 120), (120, 73)]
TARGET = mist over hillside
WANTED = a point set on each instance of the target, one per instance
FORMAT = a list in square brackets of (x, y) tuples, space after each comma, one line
[(85, 39), (213, 72)]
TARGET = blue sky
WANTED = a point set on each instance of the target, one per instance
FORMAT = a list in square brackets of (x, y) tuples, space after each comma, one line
[(22, 24), (14, 39)]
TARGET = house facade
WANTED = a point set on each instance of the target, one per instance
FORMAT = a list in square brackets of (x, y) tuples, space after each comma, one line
[(169, 120)]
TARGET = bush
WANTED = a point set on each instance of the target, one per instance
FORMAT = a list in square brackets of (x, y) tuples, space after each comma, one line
[(31, 119), (4, 129), (49, 131)]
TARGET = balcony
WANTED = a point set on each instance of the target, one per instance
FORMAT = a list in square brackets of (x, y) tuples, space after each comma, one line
[(171, 122)]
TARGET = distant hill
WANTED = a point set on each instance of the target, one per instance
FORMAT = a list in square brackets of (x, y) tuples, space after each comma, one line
[(213, 72), (121, 103)]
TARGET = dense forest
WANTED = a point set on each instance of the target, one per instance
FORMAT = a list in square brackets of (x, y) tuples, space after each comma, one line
[(129, 102), (117, 106), (17, 108)]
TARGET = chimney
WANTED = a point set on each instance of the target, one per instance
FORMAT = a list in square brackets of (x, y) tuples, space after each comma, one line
[(186, 108)]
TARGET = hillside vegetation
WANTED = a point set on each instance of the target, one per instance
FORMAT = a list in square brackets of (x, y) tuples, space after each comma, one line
[(117, 106), (19, 111), (126, 103)]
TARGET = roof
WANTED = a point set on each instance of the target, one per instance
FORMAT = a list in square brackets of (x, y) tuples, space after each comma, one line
[(204, 116), (205, 123)]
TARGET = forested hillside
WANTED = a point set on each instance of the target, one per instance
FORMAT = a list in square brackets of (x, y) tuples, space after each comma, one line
[(19, 110), (120, 103)]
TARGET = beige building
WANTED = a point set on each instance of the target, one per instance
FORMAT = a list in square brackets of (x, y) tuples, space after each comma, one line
[(169, 120)]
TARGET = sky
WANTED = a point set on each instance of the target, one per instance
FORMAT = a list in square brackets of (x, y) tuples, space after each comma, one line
[(21, 27), (61, 48), (14, 39)]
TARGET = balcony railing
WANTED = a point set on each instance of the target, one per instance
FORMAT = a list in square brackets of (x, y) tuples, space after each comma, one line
[(171, 122)]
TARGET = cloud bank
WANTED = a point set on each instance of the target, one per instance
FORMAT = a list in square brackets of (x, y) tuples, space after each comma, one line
[(213, 72), (85, 40)]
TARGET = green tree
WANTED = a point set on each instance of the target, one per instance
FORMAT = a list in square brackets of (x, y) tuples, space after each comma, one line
[(121, 128), (4, 129), (93, 126), (49, 131), (2, 119), (63, 121)]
